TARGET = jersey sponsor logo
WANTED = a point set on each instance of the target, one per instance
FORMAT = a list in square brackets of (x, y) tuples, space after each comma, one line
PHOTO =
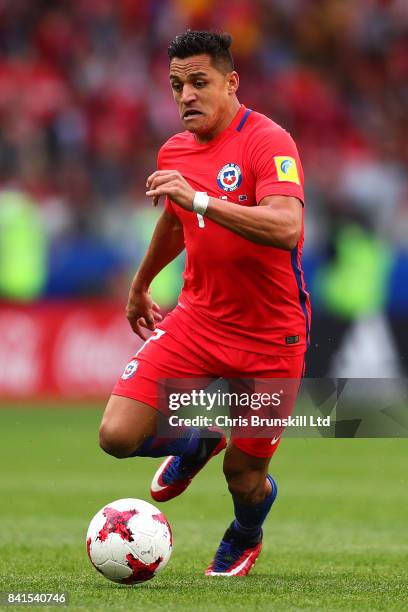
[(286, 169), (229, 177), (130, 369)]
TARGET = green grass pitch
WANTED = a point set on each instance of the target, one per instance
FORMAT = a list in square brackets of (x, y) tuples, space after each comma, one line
[(336, 538)]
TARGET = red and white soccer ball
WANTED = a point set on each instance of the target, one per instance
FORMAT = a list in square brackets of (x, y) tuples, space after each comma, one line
[(129, 541)]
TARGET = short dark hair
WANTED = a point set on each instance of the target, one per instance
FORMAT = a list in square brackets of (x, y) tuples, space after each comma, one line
[(197, 42)]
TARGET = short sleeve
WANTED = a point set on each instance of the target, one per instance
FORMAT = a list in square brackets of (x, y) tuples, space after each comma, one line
[(167, 202), (276, 165)]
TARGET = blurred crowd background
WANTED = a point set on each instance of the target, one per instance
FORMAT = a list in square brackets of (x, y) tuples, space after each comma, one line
[(85, 104)]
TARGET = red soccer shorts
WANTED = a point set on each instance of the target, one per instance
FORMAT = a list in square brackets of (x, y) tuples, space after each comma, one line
[(175, 352)]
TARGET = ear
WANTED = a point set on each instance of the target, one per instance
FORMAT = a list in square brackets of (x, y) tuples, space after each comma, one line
[(232, 82)]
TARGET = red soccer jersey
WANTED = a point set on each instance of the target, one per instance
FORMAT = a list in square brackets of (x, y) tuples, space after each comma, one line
[(240, 293)]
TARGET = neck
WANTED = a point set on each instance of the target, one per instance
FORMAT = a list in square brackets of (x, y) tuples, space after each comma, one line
[(223, 124)]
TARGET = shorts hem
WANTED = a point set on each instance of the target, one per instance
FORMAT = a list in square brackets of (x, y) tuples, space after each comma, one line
[(242, 447), (139, 397)]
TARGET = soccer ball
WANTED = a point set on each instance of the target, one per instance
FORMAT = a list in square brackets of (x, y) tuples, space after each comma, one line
[(129, 541)]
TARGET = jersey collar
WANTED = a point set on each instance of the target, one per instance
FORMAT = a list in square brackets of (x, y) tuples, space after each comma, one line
[(233, 126)]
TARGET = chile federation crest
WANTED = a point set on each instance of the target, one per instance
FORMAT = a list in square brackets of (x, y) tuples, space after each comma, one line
[(130, 369), (229, 177)]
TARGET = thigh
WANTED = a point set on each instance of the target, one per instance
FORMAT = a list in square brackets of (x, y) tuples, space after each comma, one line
[(131, 413), (237, 461), (127, 422)]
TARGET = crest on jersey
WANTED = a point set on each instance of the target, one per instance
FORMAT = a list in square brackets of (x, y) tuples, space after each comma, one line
[(229, 177), (130, 369)]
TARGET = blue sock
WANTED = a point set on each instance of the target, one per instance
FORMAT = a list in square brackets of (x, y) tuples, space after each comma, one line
[(162, 447), (249, 518)]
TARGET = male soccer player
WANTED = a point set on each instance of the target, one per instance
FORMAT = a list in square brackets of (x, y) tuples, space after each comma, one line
[(233, 192)]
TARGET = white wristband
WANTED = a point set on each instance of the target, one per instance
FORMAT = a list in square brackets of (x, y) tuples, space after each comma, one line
[(200, 202)]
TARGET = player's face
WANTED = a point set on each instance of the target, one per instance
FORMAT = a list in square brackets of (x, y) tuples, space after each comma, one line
[(203, 94)]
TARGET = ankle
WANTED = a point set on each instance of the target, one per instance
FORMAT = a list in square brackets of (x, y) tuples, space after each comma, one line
[(249, 535)]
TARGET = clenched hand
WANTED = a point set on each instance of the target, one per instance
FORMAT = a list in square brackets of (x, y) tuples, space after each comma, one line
[(172, 184)]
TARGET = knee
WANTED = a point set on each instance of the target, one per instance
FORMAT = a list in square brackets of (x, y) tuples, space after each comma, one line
[(116, 441), (246, 486)]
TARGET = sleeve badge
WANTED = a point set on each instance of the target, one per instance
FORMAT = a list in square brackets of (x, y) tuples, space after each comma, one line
[(286, 169)]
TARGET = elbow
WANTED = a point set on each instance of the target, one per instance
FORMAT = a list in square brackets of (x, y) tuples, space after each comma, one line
[(291, 240), (287, 241)]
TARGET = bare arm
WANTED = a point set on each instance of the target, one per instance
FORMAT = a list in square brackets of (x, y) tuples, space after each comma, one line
[(277, 221), (167, 242)]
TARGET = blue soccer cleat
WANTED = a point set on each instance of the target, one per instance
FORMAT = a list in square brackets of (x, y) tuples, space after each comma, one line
[(176, 473), (235, 556)]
